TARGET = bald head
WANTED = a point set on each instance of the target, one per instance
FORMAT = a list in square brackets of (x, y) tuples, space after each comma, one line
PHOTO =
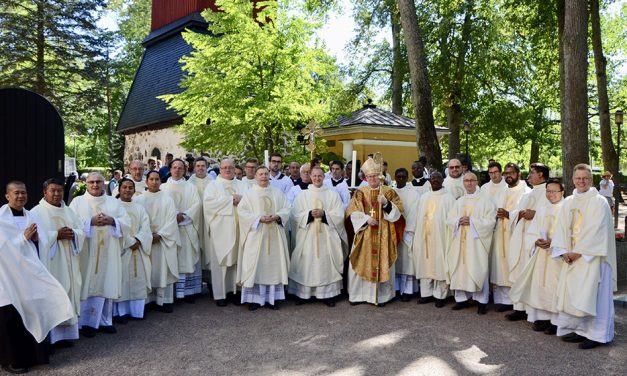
[(227, 169), (470, 182), (136, 169), (454, 168)]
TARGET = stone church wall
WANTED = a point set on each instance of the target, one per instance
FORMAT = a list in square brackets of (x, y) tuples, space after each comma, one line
[(143, 145)]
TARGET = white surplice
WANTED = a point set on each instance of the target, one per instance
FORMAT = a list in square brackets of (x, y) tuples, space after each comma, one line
[(406, 282)]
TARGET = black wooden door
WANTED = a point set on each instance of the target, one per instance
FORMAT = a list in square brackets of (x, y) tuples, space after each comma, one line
[(31, 141)]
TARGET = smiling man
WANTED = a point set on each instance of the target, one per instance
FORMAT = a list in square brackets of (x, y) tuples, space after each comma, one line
[(453, 182)]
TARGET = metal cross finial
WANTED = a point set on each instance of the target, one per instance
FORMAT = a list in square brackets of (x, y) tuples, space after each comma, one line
[(310, 132)]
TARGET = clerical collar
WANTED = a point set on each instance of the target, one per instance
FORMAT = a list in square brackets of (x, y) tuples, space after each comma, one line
[(17, 213), (278, 177), (303, 185), (336, 182)]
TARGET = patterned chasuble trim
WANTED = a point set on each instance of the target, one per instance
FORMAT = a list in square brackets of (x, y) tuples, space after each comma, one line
[(366, 256)]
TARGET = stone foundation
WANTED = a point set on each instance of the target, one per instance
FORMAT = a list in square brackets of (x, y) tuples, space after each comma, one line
[(141, 145)]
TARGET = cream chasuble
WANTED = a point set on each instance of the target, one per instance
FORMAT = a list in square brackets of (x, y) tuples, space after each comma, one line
[(585, 226), (61, 256), (163, 254), (318, 258), (517, 258), (136, 267), (264, 257), (410, 197), (100, 260), (203, 229), (537, 283), (469, 250), (38, 297), (186, 201), (507, 198), (140, 187), (454, 186), (432, 236)]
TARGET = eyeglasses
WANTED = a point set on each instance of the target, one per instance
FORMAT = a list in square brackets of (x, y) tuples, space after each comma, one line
[(582, 178), (469, 180), (454, 167)]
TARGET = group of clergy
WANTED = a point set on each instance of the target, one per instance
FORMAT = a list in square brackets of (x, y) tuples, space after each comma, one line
[(103, 259)]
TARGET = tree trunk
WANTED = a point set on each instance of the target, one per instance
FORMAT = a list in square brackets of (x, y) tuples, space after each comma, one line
[(397, 68), (574, 95), (534, 155), (608, 152), (454, 120), (40, 78), (426, 136)]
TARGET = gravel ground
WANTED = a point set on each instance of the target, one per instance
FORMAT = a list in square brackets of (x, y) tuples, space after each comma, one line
[(312, 339)]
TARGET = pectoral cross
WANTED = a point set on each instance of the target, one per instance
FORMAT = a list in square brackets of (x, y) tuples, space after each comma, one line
[(372, 212)]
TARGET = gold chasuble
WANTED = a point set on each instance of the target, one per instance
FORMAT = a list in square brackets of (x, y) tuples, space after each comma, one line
[(366, 256)]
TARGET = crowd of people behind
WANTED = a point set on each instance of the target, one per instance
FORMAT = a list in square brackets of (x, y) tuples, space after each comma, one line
[(257, 233)]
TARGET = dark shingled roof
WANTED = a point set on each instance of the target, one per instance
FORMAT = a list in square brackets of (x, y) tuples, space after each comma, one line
[(159, 73), (371, 115)]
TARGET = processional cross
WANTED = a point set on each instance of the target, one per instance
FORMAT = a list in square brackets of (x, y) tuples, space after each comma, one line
[(310, 132)]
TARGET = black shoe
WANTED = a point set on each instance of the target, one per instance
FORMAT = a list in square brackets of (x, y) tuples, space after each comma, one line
[(540, 325), (551, 330), (120, 319), (482, 309), (461, 305), (405, 298), (221, 302), (516, 316), (190, 299), (109, 329), (439, 303), (573, 338), (356, 303), (274, 307), (166, 308), (16, 370), (589, 344), (88, 331), (253, 306), (63, 344), (380, 305), (428, 299), (504, 307), (329, 302), (300, 301)]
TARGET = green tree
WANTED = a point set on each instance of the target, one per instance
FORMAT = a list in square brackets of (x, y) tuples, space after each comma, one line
[(249, 84)]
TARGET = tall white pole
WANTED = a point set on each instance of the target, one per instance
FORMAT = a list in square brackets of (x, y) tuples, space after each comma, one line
[(266, 158), (354, 169)]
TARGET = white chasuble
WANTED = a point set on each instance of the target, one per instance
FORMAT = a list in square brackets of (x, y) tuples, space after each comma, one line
[(61, 256), (140, 187), (203, 229), (469, 249), (25, 282), (136, 267), (163, 254), (585, 226), (318, 258), (410, 197), (537, 283), (100, 260), (431, 235), (264, 257), (507, 199), (454, 186), (187, 202), (517, 258)]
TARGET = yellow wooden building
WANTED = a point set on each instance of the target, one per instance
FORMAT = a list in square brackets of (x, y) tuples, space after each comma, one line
[(370, 130)]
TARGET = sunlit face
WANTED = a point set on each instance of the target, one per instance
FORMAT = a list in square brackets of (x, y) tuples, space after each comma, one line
[(16, 196), (153, 182), (54, 194), (227, 169), (401, 179), (511, 176), (317, 177), (554, 193), (495, 175), (336, 171), (454, 168), (249, 169), (177, 170), (373, 180), (582, 180), (200, 169), (137, 170), (127, 190), (470, 183), (95, 185), (305, 175), (262, 177)]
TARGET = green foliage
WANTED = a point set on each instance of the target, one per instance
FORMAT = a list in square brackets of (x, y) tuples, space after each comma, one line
[(249, 84)]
